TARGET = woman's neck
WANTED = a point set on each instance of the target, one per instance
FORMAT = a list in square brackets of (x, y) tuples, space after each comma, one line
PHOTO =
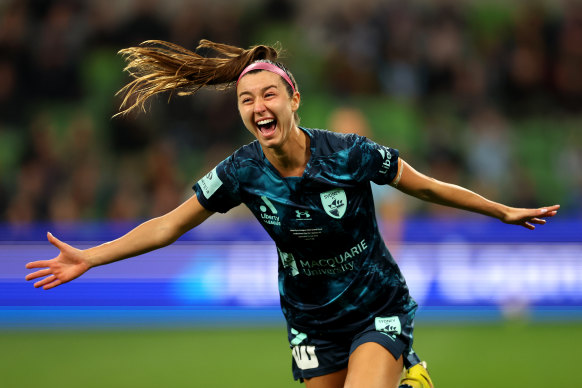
[(291, 158)]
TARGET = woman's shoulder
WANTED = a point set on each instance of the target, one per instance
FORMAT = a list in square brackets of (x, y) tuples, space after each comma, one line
[(250, 151), (328, 141), (330, 134)]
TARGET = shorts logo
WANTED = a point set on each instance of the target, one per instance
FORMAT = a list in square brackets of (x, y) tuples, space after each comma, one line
[(334, 202), (299, 337), (305, 357), (210, 183), (390, 325)]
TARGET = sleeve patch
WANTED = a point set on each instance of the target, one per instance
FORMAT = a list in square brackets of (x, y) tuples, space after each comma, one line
[(386, 156), (210, 183)]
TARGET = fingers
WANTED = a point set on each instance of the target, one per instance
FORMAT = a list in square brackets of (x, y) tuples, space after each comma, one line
[(543, 212), (55, 241), (45, 281), (50, 280), (55, 283), (38, 274), (548, 211), (528, 226), (38, 264)]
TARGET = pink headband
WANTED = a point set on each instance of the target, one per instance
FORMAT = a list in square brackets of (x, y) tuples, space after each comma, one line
[(269, 67)]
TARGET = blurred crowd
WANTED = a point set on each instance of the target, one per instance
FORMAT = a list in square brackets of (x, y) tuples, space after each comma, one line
[(484, 94)]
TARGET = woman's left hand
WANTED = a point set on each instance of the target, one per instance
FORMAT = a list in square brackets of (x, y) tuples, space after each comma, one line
[(528, 217)]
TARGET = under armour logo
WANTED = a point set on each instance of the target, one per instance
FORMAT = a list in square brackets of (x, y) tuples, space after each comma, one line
[(302, 214)]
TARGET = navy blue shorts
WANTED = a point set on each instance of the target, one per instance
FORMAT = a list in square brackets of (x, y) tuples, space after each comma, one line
[(314, 357)]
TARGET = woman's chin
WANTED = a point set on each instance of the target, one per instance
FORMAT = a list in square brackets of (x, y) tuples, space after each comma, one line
[(267, 136)]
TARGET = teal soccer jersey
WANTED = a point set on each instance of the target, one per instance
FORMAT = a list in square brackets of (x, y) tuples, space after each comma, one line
[(335, 272)]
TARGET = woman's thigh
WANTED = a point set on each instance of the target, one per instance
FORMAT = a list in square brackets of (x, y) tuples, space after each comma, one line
[(371, 366), (331, 380)]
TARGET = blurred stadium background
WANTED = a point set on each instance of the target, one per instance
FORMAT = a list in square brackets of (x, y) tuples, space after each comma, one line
[(486, 94)]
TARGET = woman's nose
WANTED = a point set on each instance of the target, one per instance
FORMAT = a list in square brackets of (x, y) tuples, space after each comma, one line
[(259, 106)]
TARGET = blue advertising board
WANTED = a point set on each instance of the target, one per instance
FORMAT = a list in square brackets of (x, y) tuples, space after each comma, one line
[(225, 272)]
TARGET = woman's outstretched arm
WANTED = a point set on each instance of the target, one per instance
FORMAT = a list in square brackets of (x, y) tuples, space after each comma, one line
[(153, 234), (428, 189)]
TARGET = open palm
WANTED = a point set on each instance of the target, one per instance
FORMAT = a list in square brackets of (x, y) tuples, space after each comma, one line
[(68, 265)]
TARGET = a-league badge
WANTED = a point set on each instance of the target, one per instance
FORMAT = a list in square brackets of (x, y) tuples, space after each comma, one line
[(334, 202)]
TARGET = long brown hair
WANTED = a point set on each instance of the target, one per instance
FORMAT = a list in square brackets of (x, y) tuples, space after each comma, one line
[(159, 66)]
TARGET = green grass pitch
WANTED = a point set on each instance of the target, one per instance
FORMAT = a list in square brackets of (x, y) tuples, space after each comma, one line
[(477, 355)]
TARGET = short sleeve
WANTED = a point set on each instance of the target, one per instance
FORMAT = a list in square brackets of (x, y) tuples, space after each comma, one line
[(218, 190), (376, 163)]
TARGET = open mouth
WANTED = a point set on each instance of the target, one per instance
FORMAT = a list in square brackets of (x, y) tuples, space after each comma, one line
[(267, 126)]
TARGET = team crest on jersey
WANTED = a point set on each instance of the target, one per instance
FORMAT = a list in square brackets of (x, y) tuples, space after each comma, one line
[(334, 202)]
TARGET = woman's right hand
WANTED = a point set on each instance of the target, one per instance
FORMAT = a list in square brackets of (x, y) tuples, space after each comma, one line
[(68, 265)]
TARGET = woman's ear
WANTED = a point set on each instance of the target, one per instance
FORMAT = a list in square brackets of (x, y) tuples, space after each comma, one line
[(295, 101)]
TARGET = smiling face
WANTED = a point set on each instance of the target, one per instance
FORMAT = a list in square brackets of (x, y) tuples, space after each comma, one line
[(266, 108)]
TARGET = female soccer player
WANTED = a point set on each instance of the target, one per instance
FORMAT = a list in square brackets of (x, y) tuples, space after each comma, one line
[(348, 310)]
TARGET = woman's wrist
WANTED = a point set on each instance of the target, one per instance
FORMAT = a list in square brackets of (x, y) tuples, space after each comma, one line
[(501, 212)]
